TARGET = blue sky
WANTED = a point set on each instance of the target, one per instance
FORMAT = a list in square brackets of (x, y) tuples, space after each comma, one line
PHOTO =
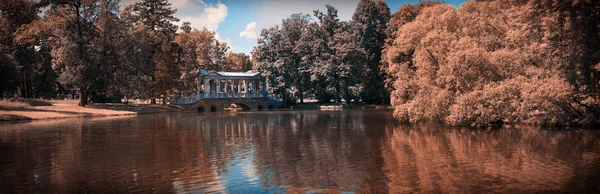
[(229, 18)]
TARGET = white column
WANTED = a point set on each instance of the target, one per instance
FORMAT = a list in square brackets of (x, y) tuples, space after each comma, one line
[(204, 87), (264, 89), (207, 88), (225, 92), (254, 87), (239, 90), (231, 88), (247, 87), (218, 87)]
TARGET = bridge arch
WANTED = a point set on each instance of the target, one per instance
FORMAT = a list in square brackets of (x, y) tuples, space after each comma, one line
[(201, 109), (260, 107), (270, 107), (243, 106), (213, 108)]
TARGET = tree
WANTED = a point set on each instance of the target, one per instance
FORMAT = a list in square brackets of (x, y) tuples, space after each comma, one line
[(495, 62), (405, 14), (372, 19), (292, 29), (14, 17), (238, 62), (72, 30), (131, 78), (166, 73), (109, 48), (44, 82), (317, 54), (158, 18), (314, 49), (186, 27), (331, 56), (8, 74), (322, 59), (265, 59), (276, 56), (348, 60), (218, 56)]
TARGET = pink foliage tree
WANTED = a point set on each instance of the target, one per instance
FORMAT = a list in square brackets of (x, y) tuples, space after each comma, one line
[(492, 61)]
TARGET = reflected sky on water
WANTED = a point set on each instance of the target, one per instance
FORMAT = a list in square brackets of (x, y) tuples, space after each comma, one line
[(362, 151)]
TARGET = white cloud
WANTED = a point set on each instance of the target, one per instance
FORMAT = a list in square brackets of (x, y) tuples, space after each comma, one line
[(196, 12), (210, 16), (249, 31)]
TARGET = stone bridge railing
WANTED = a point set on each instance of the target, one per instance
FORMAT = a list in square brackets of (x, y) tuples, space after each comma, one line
[(200, 96)]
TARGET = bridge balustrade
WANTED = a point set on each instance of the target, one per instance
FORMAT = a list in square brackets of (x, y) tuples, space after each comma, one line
[(227, 85), (199, 96)]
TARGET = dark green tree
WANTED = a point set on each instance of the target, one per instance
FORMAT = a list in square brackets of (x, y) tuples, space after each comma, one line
[(15, 15), (8, 75), (166, 73), (186, 27), (158, 18), (346, 73), (371, 19), (317, 54), (276, 55), (81, 43), (134, 75), (45, 78)]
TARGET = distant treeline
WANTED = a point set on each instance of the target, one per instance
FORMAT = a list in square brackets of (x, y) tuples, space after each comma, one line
[(94, 49), (493, 61)]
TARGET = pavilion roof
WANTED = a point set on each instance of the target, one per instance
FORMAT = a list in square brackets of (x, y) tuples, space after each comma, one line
[(230, 74)]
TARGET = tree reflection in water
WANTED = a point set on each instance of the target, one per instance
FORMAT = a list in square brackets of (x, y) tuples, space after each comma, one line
[(422, 159), (294, 151)]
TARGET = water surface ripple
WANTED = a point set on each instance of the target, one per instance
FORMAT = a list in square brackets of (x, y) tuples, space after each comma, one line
[(361, 151)]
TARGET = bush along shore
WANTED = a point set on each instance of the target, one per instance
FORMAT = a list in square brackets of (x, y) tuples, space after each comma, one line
[(336, 106)]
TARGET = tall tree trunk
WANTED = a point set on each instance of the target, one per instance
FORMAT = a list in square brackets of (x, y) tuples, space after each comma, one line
[(338, 95), (152, 90), (301, 94), (82, 96), (24, 88)]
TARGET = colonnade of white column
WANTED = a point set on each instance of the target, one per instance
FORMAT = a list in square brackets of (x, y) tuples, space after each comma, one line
[(233, 88)]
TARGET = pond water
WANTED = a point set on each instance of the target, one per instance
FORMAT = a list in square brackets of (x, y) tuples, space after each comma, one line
[(360, 151)]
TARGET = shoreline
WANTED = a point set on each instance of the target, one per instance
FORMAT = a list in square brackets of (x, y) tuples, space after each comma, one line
[(337, 106), (58, 111)]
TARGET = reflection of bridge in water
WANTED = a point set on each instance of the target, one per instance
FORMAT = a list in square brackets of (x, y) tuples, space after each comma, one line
[(358, 151), (218, 90)]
